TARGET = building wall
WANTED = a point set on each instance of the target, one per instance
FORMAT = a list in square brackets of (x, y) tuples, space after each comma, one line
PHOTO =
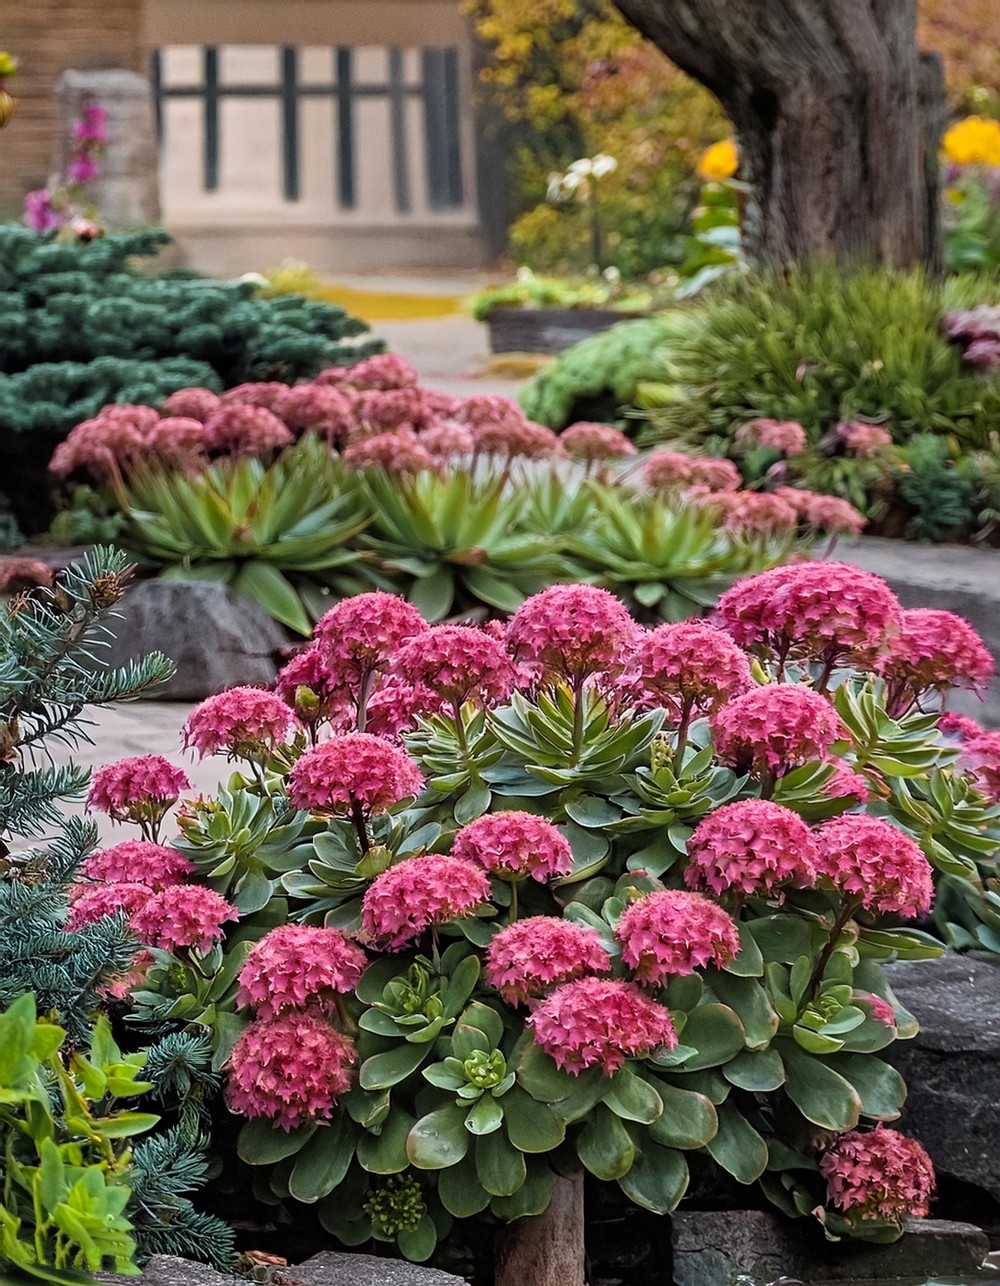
[(49, 37)]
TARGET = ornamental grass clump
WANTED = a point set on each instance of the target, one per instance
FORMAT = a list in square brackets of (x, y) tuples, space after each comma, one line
[(605, 897)]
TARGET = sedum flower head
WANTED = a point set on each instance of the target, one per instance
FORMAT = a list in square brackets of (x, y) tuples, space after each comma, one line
[(671, 932), (863, 440), (445, 441), (382, 371), (786, 436), (137, 861), (691, 668), (183, 915), (528, 957), (298, 966), (595, 1022), (92, 902), (360, 635), (752, 847), (316, 692), (396, 1205), (316, 408), (290, 1070), (514, 845), (418, 893), (751, 513), (357, 769), (594, 442), (833, 515), (137, 789), (774, 728), (455, 663), (192, 403), (400, 453), (241, 430), (862, 855), (572, 631), (826, 612), (980, 758), (241, 722), (935, 650), (878, 1174)]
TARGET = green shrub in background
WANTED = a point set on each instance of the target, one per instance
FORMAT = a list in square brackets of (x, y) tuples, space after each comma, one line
[(820, 347), (80, 327), (597, 378)]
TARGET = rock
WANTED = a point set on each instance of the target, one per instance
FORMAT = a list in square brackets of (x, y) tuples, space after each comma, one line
[(127, 190), (712, 1248), (331, 1268), (170, 1270), (952, 1068), (216, 638)]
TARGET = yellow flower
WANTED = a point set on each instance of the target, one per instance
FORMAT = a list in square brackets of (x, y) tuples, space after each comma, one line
[(973, 141), (8, 64), (720, 161)]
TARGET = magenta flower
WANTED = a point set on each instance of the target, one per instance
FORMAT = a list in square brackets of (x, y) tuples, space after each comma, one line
[(359, 636), (515, 845), (455, 664), (83, 168), (595, 442), (445, 441), (980, 758), (178, 440), (290, 1070), (934, 651), (92, 902), (753, 513), (242, 722), (316, 693), (383, 371), (878, 1174), (691, 669), (40, 215), (527, 958), (753, 847), (299, 967), (786, 436), (316, 408), (239, 429), (418, 894), (868, 858), (356, 770), (961, 726), (666, 470), (863, 440), (593, 1022), (830, 613), (136, 861), (835, 516), (255, 393), (192, 403), (142, 789), (400, 453), (183, 915), (513, 438), (774, 728), (670, 933), (878, 1009), (571, 632), (714, 473)]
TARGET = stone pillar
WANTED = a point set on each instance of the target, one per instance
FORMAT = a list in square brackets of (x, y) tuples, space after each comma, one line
[(127, 191)]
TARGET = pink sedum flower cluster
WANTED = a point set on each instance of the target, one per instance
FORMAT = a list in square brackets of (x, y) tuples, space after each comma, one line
[(183, 915), (934, 650), (571, 632), (595, 442), (786, 436), (138, 789), (92, 902), (670, 933), (752, 847), (137, 861), (360, 635), (353, 770), (418, 894), (980, 758), (454, 664), (599, 1023), (878, 1174), (529, 957), (830, 613), (241, 722), (691, 668), (515, 845), (863, 440), (297, 966), (869, 858), (290, 1070), (774, 728)]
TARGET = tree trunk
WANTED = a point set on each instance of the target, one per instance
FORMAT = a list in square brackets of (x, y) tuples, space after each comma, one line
[(546, 1249), (833, 115)]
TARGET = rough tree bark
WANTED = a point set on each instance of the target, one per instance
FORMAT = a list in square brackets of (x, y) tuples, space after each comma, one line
[(546, 1249), (837, 116)]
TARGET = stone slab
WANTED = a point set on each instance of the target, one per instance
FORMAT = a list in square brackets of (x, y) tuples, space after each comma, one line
[(216, 638), (327, 1269), (713, 1248), (952, 1068)]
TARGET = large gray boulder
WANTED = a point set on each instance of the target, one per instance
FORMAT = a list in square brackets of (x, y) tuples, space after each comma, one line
[(952, 1068), (327, 1269), (216, 639), (714, 1248)]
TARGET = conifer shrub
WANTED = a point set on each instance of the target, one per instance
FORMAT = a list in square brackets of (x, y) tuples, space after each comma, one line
[(81, 326)]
